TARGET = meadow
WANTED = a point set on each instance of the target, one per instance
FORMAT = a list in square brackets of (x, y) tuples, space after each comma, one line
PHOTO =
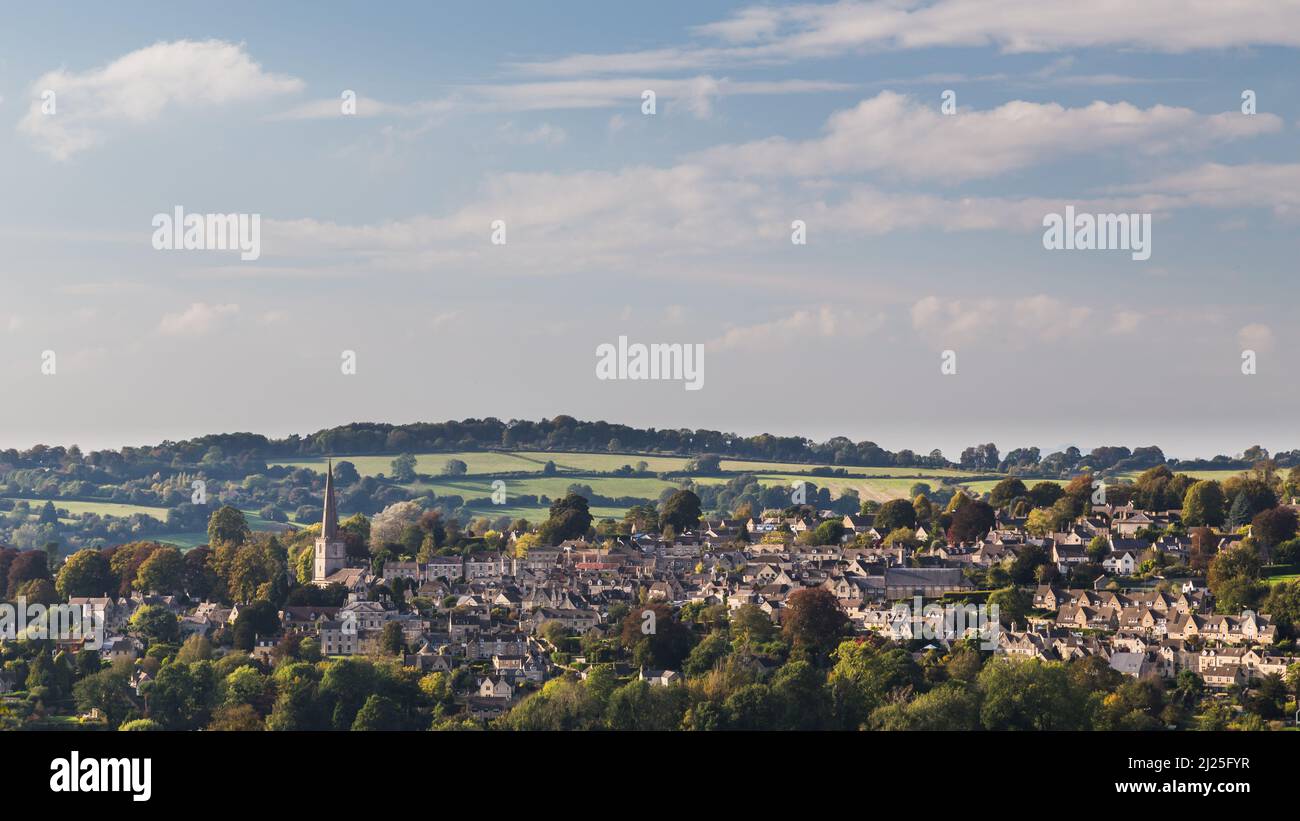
[(872, 483), (878, 484)]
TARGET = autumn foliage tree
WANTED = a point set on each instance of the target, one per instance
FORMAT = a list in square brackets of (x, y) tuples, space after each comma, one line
[(814, 623)]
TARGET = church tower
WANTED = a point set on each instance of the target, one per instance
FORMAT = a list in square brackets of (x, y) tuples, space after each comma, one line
[(331, 551)]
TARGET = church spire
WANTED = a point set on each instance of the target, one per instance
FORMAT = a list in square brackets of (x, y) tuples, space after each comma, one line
[(330, 522)]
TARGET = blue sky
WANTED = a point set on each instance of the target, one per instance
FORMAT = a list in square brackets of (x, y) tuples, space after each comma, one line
[(924, 229)]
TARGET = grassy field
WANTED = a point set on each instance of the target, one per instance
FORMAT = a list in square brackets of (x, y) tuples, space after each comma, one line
[(602, 461), (102, 508), (1217, 475), (1278, 573), (552, 486), (478, 462), (878, 483), (537, 515)]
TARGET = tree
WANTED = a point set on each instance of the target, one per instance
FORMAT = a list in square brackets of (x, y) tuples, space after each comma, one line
[(259, 618), (752, 707), (388, 525), (257, 570), (391, 642), (1012, 604), (1252, 496), (1233, 578), (813, 622), (379, 713), (864, 676), (227, 526), (1024, 569), (403, 468), (971, 522), (681, 511), (704, 464), (108, 691), (1241, 560), (201, 581), (163, 572), (1045, 494), (85, 573), (1283, 604), (570, 519), (948, 707), (750, 626), (660, 642), (1042, 521), (140, 725), (1203, 505), (639, 705), (800, 692), (345, 473), (177, 697), (27, 566), (1031, 695), (894, 514), (156, 624), (702, 658), (1098, 547), (1273, 526), (1238, 593), (455, 467), (236, 718), (1007, 490), (829, 532), (196, 648)]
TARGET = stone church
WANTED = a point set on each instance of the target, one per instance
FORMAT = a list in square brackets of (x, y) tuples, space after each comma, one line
[(331, 550)]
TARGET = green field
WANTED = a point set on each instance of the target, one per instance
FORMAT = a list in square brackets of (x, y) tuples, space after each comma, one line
[(1278, 573), (879, 483), (537, 515), (1217, 475), (597, 462), (185, 541), (553, 486), (76, 508), (430, 463)]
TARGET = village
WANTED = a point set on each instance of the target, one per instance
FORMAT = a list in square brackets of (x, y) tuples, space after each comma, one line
[(500, 624)]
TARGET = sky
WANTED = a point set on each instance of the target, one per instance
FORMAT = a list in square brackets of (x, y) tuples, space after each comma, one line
[(920, 144)]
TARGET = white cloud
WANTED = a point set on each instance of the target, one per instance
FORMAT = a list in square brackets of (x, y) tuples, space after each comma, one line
[(544, 134), (901, 137), (1126, 322), (1214, 185), (139, 87), (694, 94), (823, 322), (995, 319), (1255, 337), (442, 319), (366, 107), (198, 319), (766, 35)]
